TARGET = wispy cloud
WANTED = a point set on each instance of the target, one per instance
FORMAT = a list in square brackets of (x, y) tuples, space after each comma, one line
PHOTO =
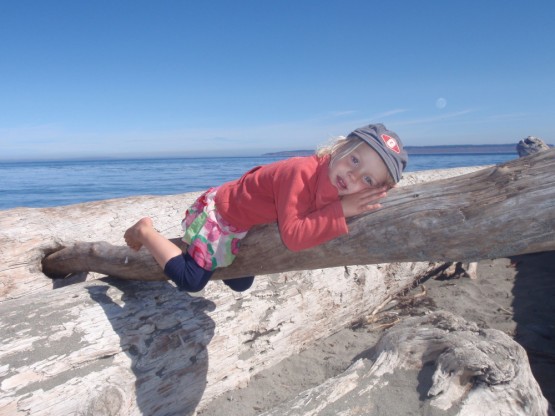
[(387, 114), (361, 120), (504, 117), (338, 114), (435, 119), (306, 133), (30, 133)]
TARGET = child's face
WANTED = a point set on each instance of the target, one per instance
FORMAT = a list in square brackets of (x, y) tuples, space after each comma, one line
[(360, 169)]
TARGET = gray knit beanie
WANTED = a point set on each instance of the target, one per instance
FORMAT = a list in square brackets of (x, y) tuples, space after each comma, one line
[(387, 144)]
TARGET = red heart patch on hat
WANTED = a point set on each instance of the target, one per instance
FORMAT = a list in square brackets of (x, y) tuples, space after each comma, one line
[(391, 143)]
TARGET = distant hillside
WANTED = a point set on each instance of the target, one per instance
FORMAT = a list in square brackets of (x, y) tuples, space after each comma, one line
[(428, 150), (291, 153), (461, 148)]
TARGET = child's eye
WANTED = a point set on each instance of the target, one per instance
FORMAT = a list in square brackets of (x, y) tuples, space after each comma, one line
[(354, 159), (368, 181)]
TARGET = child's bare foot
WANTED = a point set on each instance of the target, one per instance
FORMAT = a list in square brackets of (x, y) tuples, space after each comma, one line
[(133, 235)]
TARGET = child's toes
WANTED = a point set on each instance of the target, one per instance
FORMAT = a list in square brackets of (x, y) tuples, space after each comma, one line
[(135, 246)]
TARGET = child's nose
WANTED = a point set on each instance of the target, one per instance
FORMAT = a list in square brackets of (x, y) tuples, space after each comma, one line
[(355, 176)]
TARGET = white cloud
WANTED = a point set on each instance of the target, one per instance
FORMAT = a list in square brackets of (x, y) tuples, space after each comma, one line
[(435, 119)]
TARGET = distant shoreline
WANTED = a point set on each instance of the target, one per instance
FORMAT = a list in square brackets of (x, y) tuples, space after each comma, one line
[(431, 150), (461, 149)]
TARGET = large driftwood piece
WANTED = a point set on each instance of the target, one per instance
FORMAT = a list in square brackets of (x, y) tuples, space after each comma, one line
[(469, 217), (132, 348), (430, 364)]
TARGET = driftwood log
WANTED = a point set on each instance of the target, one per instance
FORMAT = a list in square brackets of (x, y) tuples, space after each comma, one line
[(115, 347), (454, 365), (467, 218)]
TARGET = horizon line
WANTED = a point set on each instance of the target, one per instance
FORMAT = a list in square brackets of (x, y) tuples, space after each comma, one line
[(146, 156)]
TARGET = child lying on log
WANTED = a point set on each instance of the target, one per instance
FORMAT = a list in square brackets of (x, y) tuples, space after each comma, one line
[(309, 197)]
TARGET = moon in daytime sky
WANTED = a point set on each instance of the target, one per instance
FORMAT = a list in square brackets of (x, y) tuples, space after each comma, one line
[(441, 103)]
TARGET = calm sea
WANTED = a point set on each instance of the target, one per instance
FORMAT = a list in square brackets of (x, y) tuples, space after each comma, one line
[(47, 184)]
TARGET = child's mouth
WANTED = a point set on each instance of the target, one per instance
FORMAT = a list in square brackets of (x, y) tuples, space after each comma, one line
[(341, 183)]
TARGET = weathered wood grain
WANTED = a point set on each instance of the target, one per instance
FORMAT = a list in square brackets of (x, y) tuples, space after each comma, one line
[(455, 366), (131, 348)]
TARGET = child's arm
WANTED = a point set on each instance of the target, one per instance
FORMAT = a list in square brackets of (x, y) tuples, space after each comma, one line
[(301, 230), (303, 221)]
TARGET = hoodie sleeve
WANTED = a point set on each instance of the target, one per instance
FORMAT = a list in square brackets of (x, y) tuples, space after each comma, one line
[(302, 224)]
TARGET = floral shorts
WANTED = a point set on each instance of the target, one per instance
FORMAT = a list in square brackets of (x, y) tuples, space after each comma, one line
[(213, 242)]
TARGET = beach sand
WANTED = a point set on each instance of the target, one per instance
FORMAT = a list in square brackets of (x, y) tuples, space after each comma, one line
[(514, 295)]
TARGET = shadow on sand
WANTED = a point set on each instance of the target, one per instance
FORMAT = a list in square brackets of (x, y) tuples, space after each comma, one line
[(165, 333), (534, 314)]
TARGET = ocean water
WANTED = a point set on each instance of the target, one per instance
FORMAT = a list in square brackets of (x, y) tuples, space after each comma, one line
[(55, 183)]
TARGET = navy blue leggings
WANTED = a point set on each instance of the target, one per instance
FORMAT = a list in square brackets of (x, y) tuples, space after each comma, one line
[(189, 276)]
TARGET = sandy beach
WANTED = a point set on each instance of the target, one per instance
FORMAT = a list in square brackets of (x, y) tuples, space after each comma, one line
[(514, 295)]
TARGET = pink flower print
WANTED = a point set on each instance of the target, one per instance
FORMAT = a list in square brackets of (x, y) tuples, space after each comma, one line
[(213, 231), (200, 203), (188, 220), (235, 243), (227, 227), (199, 253)]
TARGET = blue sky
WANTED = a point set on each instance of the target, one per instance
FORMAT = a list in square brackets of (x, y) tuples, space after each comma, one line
[(186, 78)]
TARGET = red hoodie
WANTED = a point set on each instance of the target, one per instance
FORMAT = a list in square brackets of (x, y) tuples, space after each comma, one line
[(296, 192)]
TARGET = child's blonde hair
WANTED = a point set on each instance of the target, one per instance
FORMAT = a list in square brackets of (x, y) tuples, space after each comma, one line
[(340, 147)]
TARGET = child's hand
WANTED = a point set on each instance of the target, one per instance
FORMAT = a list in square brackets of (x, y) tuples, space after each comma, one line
[(362, 201)]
